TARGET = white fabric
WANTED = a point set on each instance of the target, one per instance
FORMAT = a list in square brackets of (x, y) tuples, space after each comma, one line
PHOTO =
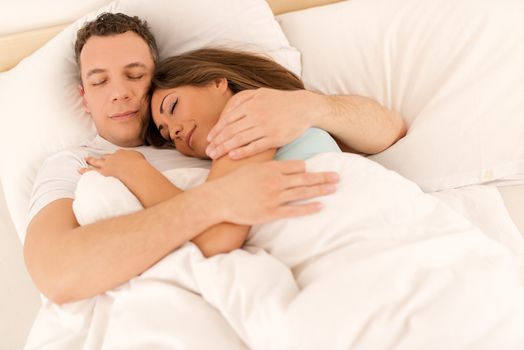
[(99, 197), (452, 68), (484, 206), (382, 266), (157, 310), (58, 176), (41, 109)]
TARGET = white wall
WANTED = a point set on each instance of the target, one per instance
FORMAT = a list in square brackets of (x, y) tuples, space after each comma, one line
[(22, 15)]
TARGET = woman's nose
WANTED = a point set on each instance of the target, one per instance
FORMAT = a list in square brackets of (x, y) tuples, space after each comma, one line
[(176, 131)]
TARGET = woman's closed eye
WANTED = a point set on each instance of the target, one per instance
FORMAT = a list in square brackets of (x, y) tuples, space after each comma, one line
[(167, 105), (172, 107)]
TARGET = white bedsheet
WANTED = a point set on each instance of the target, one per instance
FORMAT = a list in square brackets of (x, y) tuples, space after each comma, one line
[(382, 266)]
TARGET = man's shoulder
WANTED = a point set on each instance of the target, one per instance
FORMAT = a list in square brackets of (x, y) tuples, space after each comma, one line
[(72, 155), (77, 154)]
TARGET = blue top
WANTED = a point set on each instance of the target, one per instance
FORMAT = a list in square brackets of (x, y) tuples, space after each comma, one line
[(312, 142)]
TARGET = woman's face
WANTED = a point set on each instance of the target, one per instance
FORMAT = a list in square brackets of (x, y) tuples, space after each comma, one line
[(185, 115)]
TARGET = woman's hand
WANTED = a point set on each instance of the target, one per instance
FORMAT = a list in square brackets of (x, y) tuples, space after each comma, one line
[(140, 177), (118, 164)]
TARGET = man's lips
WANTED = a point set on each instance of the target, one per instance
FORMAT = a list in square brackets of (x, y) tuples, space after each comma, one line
[(123, 115)]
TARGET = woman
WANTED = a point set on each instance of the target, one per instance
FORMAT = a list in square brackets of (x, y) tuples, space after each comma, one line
[(190, 91), (182, 82)]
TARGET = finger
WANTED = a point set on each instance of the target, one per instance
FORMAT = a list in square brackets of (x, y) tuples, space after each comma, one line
[(290, 166), (239, 99), (306, 192), (224, 120), (311, 179), (231, 113), (84, 170), (216, 131), (93, 161), (232, 130), (251, 149), (243, 139), (293, 210)]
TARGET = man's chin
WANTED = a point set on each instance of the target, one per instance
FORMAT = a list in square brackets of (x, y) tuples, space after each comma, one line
[(128, 140), (131, 142)]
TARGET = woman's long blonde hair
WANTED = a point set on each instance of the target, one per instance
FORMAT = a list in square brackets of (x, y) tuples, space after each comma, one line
[(242, 70)]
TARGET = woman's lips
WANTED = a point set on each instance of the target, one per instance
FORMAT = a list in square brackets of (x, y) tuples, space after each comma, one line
[(123, 116)]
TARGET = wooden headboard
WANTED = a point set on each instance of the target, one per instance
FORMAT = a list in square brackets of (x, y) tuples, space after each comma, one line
[(15, 47)]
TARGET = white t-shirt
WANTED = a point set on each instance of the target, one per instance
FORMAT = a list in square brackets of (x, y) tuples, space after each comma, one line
[(58, 176)]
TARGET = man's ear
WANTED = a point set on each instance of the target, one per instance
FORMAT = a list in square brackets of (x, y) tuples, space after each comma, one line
[(82, 94)]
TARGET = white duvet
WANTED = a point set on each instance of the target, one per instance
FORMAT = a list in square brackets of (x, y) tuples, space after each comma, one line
[(382, 266)]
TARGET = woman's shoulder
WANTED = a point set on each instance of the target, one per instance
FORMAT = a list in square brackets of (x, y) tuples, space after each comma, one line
[(313, 141)]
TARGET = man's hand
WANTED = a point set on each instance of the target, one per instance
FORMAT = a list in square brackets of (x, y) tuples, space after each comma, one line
[(254, 121), (263, 192)]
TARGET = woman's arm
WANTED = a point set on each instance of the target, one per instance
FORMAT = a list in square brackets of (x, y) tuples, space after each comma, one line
[(225, 237), (151, 187), (139, 176)]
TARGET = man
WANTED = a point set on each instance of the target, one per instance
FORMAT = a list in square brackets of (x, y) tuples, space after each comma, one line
[(116, 56)]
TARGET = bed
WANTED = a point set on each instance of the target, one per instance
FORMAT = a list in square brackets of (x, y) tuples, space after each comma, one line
[(393, 51)]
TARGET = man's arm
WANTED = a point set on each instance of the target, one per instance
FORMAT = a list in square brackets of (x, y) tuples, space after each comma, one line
[(359, 123), (69, 262), (151, 187), (257, 120), (226, 237)]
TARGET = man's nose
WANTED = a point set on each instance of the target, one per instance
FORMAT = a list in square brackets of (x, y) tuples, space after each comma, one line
[(120, 91)]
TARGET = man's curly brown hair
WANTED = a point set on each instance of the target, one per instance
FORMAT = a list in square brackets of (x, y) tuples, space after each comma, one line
[(107, 24)]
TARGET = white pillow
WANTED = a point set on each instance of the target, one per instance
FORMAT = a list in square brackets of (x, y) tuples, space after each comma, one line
[(41, 112), (453, 68)]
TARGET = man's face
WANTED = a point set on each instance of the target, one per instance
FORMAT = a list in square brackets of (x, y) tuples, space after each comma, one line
[(116, 73)]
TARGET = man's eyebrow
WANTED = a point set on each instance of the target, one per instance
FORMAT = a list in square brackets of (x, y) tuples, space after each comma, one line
[(135, 64), (95, 71), (127, 66)]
